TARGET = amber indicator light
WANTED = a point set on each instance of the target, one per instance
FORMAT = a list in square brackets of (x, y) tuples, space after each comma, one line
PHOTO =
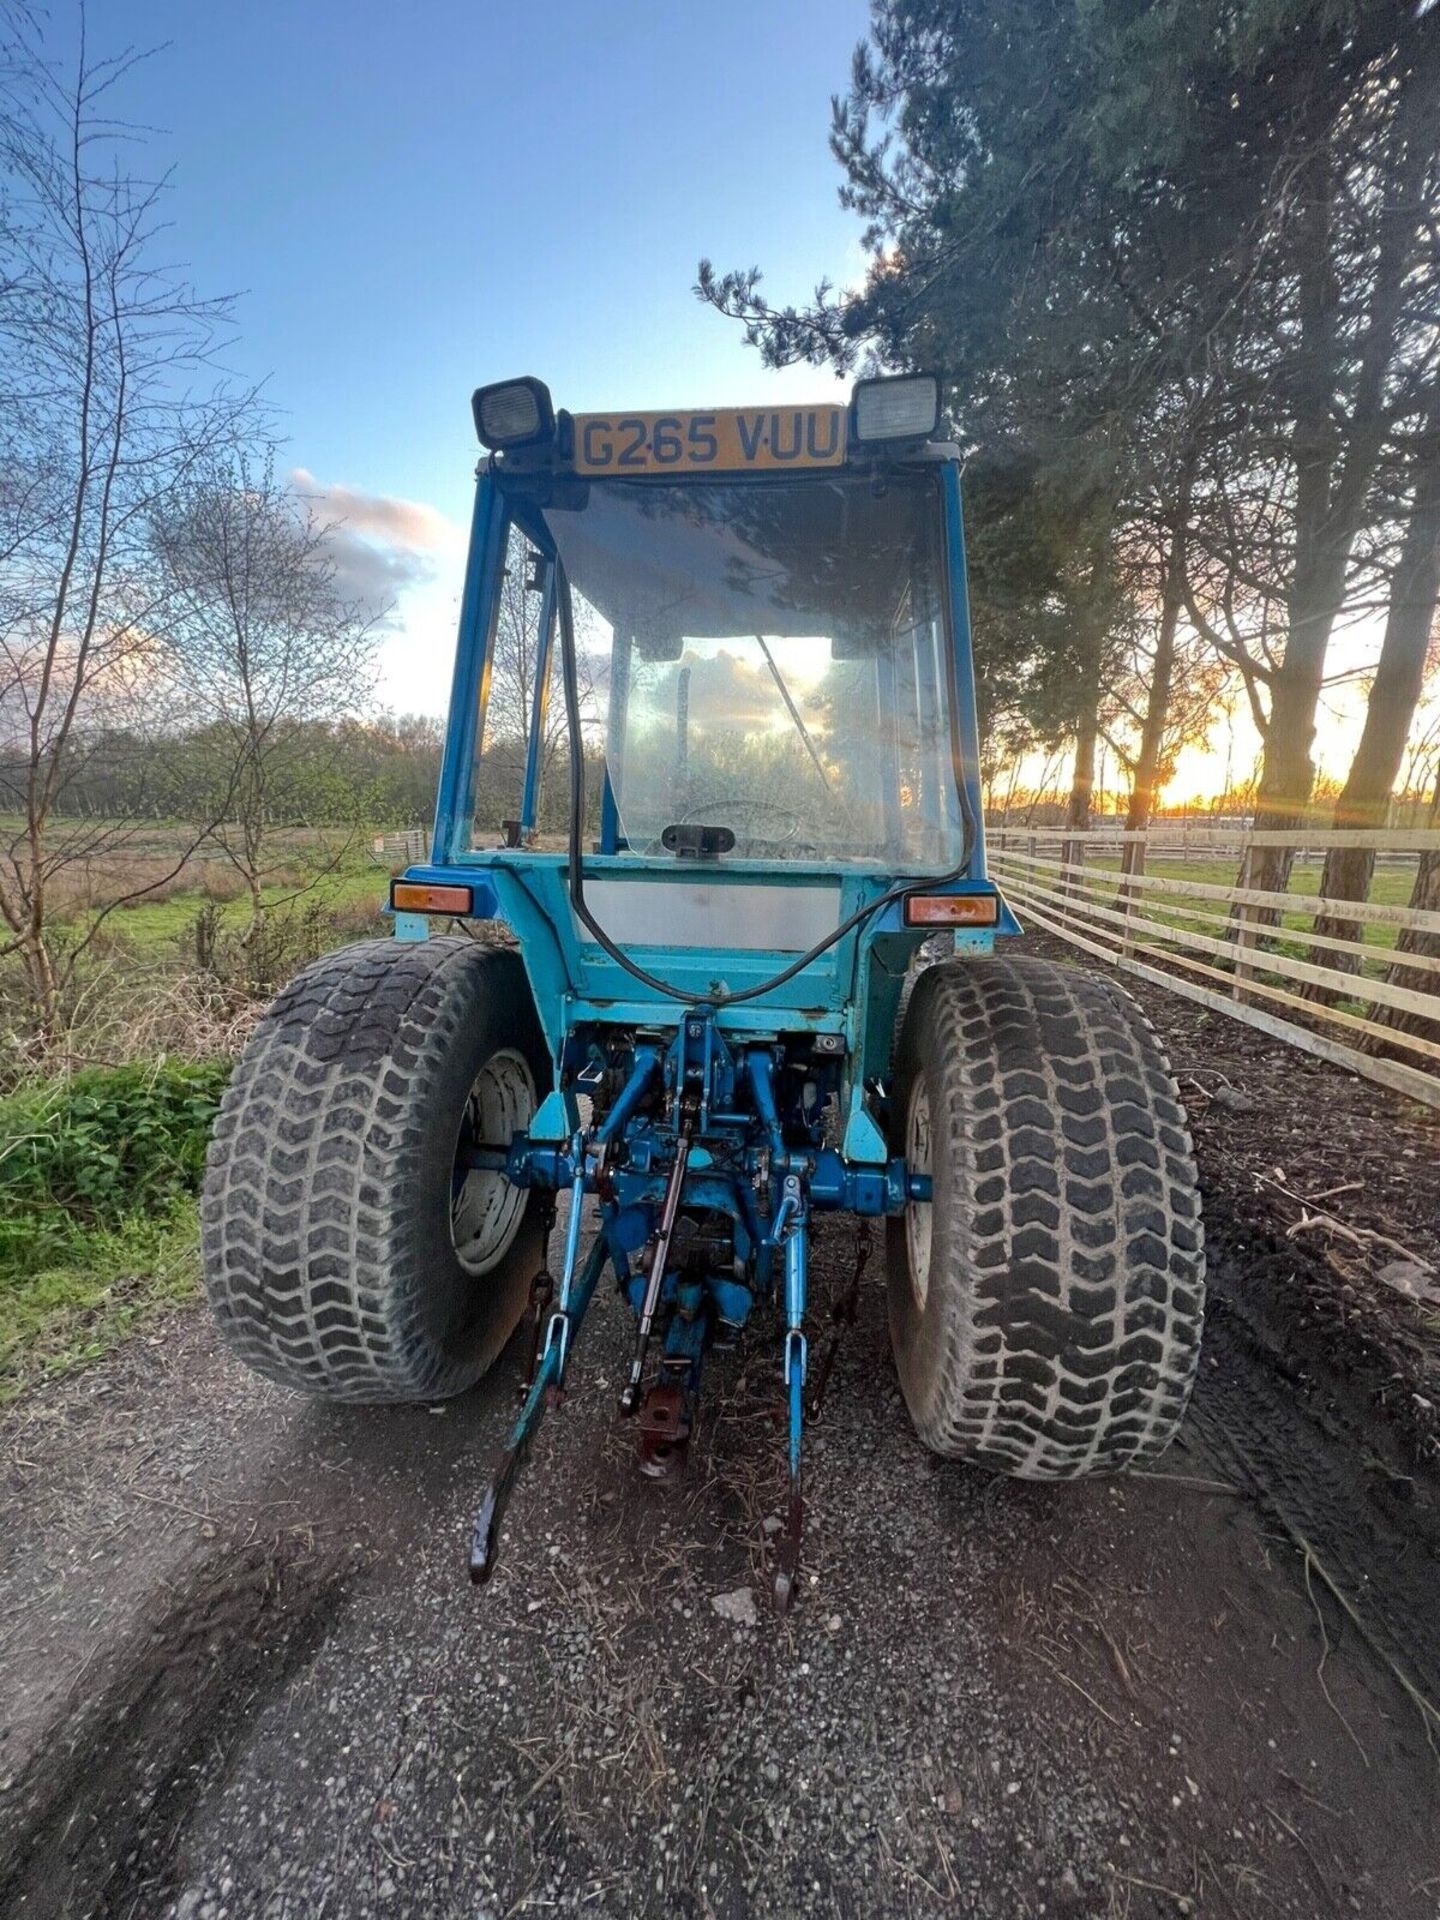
[(410, 896), (952, 910)]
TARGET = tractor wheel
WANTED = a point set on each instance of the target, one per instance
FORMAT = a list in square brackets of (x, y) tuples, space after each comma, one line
[(348, 1250), (1046, 1308)]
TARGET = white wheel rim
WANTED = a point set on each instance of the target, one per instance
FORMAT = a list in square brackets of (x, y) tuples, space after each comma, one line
[(918, 1215), (486, 1210)]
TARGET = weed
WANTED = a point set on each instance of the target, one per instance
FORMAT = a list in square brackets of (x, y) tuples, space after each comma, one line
[(97, 1214), (106, 1144)]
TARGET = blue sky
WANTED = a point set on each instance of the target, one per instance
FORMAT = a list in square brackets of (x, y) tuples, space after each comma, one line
[(410, 201)]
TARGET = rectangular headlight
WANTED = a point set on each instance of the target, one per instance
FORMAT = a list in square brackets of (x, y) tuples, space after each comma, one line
[(513, 413), (905, 408), (952, 910)]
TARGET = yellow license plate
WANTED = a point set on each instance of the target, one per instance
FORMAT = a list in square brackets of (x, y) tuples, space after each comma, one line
[(731, 439)]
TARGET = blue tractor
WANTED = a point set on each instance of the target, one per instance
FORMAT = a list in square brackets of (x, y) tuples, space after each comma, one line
[(713, 1017)]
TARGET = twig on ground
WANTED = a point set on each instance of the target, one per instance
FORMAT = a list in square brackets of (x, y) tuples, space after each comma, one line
[(1358, 1236), (1061, 1674), (1300, 1841), (1150, 1886), (1306, 1794), (1096, 1620), (1191, 1482), (1429, 1713), (536, 1784), (1327, 1223), (1324, 1656)]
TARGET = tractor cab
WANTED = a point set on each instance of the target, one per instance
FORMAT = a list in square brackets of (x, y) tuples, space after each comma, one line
[(725, 655), (759, 619)]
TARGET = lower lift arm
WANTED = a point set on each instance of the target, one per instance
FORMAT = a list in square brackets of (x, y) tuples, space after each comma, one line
[(577, 1286)]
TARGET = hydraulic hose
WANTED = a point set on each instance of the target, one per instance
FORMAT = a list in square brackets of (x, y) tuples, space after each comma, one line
[(570, 680)]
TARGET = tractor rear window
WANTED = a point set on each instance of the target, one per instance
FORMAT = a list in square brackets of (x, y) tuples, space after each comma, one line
[(767, 659)]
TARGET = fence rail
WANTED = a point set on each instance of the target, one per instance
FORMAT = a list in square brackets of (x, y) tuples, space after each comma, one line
[(400, 849), (1341, 991), (1188, 840)]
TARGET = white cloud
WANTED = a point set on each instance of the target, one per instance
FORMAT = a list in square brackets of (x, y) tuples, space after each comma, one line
[(380, 544), (411, 525)]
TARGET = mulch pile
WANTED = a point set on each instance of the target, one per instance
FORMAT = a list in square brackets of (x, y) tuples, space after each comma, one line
[(1322, 1199)]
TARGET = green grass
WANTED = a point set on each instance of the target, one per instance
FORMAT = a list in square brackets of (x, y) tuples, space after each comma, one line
[(151, 926), (97, 1211), (315, 871), (82, 1295)]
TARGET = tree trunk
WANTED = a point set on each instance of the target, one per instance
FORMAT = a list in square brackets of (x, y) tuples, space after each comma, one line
[(1087, 716), (253, 940), (1082, 786), (1157, 711), (1322, 547), (1425, 894), (1365, 800), (42, 981), (1288, 777)]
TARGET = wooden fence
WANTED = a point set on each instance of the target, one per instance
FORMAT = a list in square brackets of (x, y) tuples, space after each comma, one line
[(400, 849), (1253, 955)]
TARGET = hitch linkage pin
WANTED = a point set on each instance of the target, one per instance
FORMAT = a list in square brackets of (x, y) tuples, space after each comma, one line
[(542, 1292), (630, 1398)]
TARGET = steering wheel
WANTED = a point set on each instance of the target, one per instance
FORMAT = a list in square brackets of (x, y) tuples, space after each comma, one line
[(720, 812)]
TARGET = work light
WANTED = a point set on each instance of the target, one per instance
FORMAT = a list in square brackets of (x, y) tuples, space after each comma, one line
[(904, 408), (513, 413)]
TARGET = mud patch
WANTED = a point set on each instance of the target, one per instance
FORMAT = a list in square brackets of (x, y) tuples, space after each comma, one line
[(1366, 1538), (91, 1827)]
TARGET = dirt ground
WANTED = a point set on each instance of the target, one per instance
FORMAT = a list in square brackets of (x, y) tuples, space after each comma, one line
[(242, 1673)]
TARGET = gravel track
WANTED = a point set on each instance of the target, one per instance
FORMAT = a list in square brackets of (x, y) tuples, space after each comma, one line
[(993, 1699), (244, 1678)]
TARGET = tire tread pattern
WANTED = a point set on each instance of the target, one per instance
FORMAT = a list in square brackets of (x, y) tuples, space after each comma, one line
[(1066, 1292), (323, 1150)]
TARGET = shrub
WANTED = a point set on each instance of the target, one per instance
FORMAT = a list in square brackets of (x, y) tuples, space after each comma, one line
[(105, 1145), (97, 1222)]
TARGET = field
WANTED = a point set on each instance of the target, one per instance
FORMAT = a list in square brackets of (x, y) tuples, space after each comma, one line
[(151, 926), (332, 870), (1390, 887)]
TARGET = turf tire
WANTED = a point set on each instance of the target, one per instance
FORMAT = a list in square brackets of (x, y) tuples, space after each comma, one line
[(329, 1257), (1055, 1328)]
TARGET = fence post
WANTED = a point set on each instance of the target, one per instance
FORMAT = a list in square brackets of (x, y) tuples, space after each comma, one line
[(1245, 926), (1072, 854), (1133, 864)]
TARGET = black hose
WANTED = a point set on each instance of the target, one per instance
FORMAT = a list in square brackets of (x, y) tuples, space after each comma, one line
[(570, 679)]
